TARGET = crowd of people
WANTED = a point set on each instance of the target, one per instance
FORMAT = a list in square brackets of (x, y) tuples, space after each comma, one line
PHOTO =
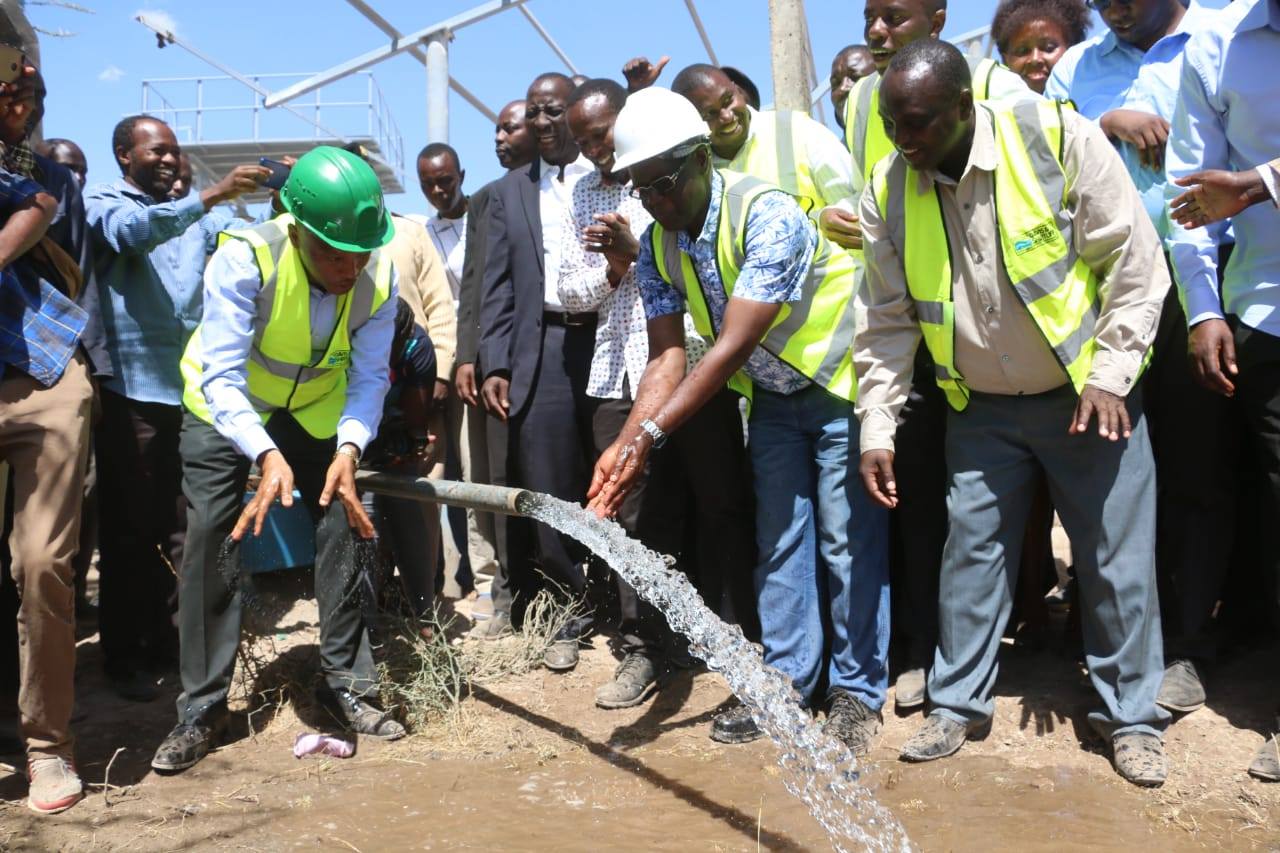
[(848, 387)]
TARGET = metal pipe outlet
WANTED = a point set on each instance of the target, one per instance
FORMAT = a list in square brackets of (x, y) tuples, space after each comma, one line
[(496, 499)]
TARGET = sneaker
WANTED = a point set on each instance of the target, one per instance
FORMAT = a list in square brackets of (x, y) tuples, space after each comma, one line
[(735, 726), (1139, 758), (187, 744), (851, 722), (1266, 764), (909, 689), (941, 736), (493, 628), (358, 714), (634, 681), (1181, 690), (55, 786)]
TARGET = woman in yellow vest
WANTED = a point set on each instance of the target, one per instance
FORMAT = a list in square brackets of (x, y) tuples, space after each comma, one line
[(775, 301), (1010, 241), (288, 370)]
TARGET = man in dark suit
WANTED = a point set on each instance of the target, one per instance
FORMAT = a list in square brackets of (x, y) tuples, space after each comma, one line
[(535, 355), (514, 147)]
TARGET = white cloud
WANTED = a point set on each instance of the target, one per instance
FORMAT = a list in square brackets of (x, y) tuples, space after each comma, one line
[(111, 74), (159, 19)]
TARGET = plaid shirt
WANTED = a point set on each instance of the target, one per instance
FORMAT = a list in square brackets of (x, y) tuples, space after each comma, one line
[(39, 326)]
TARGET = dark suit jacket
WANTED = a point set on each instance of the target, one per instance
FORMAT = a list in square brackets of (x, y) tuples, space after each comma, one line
[(512, 291), (469, 289)]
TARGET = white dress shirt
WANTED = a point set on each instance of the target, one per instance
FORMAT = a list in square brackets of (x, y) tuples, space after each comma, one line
[(232, 286), (555, 199), (450, 239)]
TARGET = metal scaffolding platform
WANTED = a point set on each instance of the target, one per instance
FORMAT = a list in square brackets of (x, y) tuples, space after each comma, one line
[(221, 122)]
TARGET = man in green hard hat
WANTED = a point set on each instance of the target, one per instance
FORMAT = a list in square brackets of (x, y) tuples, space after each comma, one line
[(288, 370)]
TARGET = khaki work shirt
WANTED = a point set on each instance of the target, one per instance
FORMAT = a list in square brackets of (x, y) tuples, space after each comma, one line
[(999, 349), (424, 284)]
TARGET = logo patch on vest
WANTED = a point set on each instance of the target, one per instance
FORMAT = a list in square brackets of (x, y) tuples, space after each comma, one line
[(340, 358), (1042, 235)]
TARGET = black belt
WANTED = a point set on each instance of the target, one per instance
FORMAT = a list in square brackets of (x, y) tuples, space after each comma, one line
[(568, 318)]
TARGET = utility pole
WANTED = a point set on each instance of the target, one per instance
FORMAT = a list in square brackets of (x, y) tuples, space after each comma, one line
[(438, 87), (790, 50)]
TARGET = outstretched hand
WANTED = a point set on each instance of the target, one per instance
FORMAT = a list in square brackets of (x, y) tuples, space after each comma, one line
[(341, 480), (276, 483)]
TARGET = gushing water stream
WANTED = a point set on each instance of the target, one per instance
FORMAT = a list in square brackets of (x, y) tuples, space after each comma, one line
[(817, 769)]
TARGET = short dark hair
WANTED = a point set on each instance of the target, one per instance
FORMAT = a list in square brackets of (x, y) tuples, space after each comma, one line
[(122, 135), (1012, 15), (743, 82), (943, 60), (693, 76), (564, 79), (47, 146), (611, 90), (850, 48), (440, 149)]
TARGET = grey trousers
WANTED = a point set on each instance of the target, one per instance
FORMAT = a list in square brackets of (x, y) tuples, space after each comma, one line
[(1105, 495), (213, 478)]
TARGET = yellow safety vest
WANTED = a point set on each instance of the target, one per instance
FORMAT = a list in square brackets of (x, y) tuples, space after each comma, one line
[(775, 153), (864, 132), (1059, 290), (284, 372), (813, 335)]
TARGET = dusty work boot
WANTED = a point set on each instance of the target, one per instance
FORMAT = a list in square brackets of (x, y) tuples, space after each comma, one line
[(55, 785), (908, 690), (851, 722), (1181, 690), (358, 714), (735, 726), (634, 681), (494, 628), (1139, 758), (188, 743), (941, 736), (1266, 764)]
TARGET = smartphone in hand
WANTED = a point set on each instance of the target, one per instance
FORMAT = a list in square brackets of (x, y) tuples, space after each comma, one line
[(11, 63), (279, 173)]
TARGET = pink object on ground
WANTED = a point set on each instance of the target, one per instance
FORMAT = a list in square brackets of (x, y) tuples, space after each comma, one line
[(314, 744)]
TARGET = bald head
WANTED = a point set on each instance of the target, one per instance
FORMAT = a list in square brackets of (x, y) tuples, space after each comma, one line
[(926, 102), (511, 139)]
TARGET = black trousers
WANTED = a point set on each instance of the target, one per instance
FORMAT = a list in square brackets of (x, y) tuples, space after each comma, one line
[(1258, 394), (919, 524), (142, 527), (214, 473), (1193, 439), (550, 449)]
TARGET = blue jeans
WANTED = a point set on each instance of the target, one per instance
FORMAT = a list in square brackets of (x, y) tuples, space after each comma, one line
[(822, 579)]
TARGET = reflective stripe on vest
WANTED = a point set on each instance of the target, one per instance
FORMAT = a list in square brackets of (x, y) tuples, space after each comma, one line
[(1059, 290), (284, 371), (773, 154), (814, 335), (864, 132)]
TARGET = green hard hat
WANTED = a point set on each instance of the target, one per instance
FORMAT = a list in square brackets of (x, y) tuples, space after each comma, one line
[(336, 195)]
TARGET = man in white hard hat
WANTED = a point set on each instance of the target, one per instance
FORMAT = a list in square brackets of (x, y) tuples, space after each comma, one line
[(775, 301)]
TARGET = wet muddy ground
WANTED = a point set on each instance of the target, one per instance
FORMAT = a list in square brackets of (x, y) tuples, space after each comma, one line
[(531, 764)]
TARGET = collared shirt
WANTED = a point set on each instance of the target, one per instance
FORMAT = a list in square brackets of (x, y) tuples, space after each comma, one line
[(1227, 118), (622, 336), (40, 326), (231, 288), (823, 152), (998, 347), (780, 242), (1270, 173), (1106, 73), (148, 262), (555, 198), (450, 239)]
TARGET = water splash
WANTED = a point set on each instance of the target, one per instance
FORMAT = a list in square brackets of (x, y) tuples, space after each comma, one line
[(819, 770)]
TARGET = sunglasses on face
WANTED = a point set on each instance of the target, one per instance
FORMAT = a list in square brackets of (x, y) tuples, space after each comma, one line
[(659, 186)]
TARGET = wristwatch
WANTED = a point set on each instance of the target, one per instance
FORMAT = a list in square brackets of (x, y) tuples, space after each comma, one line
[(655, 432)]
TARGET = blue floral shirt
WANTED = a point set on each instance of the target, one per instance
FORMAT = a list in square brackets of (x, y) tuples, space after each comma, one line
[(780, 243)]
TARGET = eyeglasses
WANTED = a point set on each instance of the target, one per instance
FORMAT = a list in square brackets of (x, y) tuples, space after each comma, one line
[(1103, 5), (660, 186)]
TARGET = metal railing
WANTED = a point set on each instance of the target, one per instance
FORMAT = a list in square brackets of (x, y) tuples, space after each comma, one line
[(201, 110)]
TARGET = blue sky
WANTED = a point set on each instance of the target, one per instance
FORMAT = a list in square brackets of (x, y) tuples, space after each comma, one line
[(95, 77)]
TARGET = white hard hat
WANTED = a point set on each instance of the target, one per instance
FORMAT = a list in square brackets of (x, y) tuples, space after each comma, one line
[(652, 122)]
